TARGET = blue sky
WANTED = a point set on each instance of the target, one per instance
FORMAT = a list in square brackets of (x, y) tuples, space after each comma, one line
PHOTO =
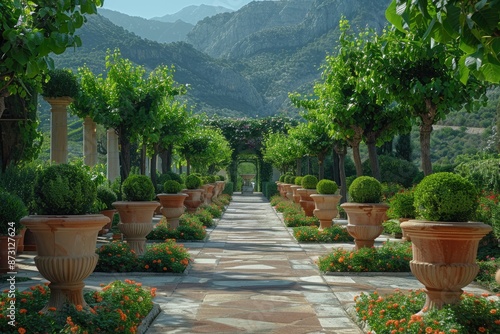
[(152, 8)]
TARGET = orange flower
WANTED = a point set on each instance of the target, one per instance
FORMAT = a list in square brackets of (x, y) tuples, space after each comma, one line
[(23, 310), (493, 311), (428, 330), (341, 259), (21, 330), (482, 329), (146, 266), (79, 308), (53, 309)]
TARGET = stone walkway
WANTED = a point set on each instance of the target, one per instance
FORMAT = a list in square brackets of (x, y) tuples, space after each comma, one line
[(251, 276)]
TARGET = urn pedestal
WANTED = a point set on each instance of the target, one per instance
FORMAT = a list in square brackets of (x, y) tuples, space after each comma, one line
[(295, 194), (444, 257), (306, 202), (365, 222), (172, 207), (66, 254), (325, 208), (136, 221)]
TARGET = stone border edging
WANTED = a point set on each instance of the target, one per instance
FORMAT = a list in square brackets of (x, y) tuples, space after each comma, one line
[(148, 320)]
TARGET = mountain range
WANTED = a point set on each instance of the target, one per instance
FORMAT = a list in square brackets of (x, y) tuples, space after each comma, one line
[(237, 63)]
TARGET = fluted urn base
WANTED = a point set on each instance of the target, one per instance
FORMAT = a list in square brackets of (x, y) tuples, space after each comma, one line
[(365, 222), (444, 257), (66, 254)]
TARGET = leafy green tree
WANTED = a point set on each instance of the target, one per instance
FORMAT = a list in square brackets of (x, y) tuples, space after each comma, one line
[(281, 150), (31, 31), (206, 150), (350, 103), (133, 102), (315, 140), (473, 24), (174, 123), (422, 81)]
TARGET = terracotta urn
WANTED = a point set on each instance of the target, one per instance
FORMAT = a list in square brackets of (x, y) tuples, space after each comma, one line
[(444, 257), (66, 253), (325, 208), (209, 192), (283, 189), (136, 221), (295, 194), (220, 185), (193, 201), (172, 207), (365, 222), (289, 192), (306, 202)]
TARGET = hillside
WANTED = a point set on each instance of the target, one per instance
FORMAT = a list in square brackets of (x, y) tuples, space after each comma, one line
[(193, 14), (163, 32), (244, 63)]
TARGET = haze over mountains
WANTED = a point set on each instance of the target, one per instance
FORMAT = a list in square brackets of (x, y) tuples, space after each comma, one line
[(237, 63)]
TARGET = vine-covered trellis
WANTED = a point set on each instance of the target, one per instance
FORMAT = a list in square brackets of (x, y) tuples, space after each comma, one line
[(245, 136)]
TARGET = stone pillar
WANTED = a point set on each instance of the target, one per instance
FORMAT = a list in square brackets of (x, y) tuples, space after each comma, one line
[(113, 170), (59, 129), (89, 142)]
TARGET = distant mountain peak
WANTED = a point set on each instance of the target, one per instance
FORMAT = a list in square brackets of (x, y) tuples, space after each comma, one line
[(192, 14)]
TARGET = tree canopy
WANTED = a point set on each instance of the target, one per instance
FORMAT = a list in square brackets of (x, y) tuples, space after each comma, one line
[(473, 24)]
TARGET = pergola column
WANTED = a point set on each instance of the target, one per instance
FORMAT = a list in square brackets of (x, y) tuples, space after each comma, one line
[(89, 142), (59, 129), (113, 168)]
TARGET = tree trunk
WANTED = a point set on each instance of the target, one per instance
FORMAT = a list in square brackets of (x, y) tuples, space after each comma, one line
[(335, 166), (373, 156), (321, 166), (298, 166), (124, 155), (154, 160), (341, 151), (143, 160), (188, 166), (357, 158), (427, 119)]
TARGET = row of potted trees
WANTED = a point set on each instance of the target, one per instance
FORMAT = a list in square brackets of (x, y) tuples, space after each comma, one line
[(66, 234), (445, 240)]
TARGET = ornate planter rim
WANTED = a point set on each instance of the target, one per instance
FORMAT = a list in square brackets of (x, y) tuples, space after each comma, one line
[(446, 230)]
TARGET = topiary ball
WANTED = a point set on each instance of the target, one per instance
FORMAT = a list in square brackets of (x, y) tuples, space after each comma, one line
[(12, 209), (446, 197), (309, 182), (326, 187), (64, 190), (365, 189), (401, 205), (298, 181), (106, 196), (172, 187), (282, 178), (289, 179), (210, 179), (193, 181), (138, 188)]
